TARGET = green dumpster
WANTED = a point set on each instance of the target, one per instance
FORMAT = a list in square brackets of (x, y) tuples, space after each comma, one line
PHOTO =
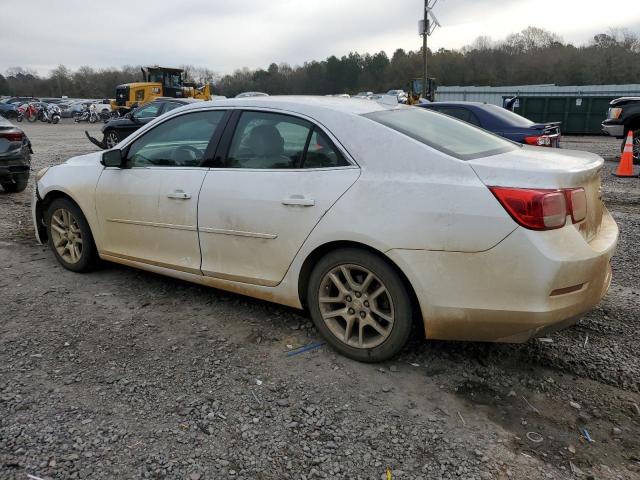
[(579, 115)]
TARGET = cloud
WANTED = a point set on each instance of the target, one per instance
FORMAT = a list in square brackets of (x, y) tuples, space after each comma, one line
[(227, 34)]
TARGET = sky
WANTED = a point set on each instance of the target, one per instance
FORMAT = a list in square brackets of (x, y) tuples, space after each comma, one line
[(224, 35)]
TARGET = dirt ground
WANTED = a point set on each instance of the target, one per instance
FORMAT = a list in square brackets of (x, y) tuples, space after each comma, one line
[(126, 374)]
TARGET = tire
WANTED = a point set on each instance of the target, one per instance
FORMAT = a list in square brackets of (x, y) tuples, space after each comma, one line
[(55, 119), (361, 308), (19, 118), (636, 144), (111, 139), (33, 117), (17, 184), (64, 214), (92, 119)]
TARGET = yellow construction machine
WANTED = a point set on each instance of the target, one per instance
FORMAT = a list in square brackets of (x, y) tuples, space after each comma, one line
[(158, 82)]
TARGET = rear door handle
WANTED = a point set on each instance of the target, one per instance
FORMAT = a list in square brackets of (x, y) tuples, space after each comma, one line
[(299, 201), (179, 195)]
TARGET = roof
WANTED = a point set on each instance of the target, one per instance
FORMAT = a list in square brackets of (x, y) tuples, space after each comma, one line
[(186, 100), (460, 103), (305, 104)]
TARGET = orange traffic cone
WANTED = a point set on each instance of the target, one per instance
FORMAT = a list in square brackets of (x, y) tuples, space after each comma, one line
[(625, 168)]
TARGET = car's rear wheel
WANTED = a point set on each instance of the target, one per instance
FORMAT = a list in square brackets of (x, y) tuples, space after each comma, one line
[(360, 305), (111, 139), (70, 237), (16, 184)]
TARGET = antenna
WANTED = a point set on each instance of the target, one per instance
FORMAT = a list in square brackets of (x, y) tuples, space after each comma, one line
[(426, 27)]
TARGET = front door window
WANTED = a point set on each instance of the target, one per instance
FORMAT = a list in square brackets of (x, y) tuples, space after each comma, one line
[(178, 142)]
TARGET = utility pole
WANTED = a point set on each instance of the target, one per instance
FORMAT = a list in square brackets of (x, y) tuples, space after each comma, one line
[(424, 48), (426, 27)]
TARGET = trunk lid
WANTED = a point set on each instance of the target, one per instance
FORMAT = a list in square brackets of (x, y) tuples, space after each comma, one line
[(537, 167)]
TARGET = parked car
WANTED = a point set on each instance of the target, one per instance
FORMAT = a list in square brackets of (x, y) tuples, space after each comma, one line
[(252, 94), (366, 95), (501, 122), (624, 117), (117, 129), (15, 157), (359, 211)]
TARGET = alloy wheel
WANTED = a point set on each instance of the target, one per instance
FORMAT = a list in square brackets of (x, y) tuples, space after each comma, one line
[(356, 306), (66, 235), (112, 140), (636, 145)]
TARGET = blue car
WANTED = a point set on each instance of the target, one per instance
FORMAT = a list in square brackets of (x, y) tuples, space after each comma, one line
[(501, 121)]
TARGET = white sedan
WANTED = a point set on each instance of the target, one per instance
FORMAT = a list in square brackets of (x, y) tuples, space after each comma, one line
[(371, 216)]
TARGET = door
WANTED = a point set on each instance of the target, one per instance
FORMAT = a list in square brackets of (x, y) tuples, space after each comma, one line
[(148, 211), (280, 176)]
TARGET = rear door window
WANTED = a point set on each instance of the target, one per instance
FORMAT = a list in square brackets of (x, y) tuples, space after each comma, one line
[(265, 140)]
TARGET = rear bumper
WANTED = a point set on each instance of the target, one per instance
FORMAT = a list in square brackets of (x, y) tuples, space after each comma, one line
[(613, 129), (13, 163), (519, 289)]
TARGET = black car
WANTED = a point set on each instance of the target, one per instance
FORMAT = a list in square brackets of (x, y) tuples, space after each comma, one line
[(501, 121), (15, 157), (117, 129), (624, 117)]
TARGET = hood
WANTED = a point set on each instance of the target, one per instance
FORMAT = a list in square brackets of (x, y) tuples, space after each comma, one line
[(623, 101), (90, 159), (116, 122)]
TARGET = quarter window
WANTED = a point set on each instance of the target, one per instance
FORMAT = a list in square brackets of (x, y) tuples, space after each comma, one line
[(178, 142), (321, 153), (461, 113)]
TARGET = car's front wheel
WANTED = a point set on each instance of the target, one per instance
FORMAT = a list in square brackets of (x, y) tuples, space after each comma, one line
[(111, 139), (360, 305), (70, 237)]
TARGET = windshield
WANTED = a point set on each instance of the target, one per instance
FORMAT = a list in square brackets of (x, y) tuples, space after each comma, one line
[(509, 117), (444, 133)]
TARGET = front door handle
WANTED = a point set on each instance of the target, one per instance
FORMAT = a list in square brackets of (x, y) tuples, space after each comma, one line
[(299, 201), (179, 195)]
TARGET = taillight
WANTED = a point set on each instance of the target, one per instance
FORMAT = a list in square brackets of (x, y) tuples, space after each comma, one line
[(538, 209), (540, 140), (577, 201), (13, 136), (534, 209)]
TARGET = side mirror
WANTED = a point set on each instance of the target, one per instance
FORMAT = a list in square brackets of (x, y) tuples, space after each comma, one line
[(113, 158)]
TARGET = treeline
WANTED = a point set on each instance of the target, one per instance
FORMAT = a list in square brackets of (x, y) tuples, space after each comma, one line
[(532, 56)]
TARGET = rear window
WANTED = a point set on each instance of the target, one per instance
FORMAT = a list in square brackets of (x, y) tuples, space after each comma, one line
[(446, 134), (510, 118)]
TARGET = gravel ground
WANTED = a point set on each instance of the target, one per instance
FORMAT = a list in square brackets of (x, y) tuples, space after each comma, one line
[(126, 374)]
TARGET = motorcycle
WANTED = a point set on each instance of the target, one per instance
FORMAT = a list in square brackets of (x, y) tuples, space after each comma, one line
[(49, 113), (28, 111), (89, 114)]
